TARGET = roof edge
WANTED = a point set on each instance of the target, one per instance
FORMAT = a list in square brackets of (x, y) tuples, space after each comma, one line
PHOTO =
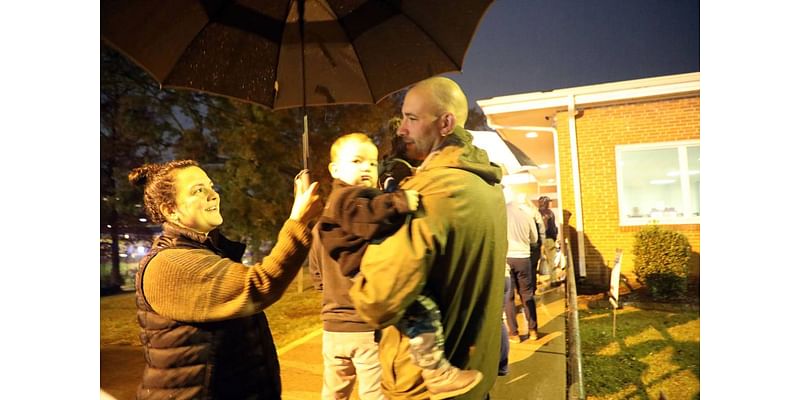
[(662, 86)]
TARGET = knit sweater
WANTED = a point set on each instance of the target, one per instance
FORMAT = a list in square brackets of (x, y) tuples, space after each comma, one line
[(197, 285)]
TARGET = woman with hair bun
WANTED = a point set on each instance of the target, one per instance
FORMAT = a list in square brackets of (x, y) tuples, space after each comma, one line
[(200, 309)]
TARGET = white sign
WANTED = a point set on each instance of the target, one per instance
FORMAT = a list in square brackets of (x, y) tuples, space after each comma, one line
[(614, 284)]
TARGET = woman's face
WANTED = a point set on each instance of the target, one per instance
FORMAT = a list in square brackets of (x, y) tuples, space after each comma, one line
[(197, 202)]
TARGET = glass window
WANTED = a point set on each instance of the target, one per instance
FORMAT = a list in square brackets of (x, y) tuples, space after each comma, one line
[(693, 155), (659, 181)]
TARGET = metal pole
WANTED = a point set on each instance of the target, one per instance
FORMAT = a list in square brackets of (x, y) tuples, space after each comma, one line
[(614, 322), (305, 139), (574, 363), (576, 183), (301, 8), (302, 11)]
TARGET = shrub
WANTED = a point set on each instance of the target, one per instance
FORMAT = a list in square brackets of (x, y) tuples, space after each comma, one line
[(661, 261)]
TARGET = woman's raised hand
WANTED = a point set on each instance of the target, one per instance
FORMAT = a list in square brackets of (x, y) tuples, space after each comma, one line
[(307, 203)]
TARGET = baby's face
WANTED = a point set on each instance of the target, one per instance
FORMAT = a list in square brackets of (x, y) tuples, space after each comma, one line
[(356, 164)]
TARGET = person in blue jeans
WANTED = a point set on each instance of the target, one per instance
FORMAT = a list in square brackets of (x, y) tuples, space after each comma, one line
[(522, 231), (502, 369)]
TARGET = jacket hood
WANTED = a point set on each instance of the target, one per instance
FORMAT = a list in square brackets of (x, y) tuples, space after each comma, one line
[(457, 151)]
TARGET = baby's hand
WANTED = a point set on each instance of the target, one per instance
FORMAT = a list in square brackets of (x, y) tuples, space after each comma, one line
[(412, 197)]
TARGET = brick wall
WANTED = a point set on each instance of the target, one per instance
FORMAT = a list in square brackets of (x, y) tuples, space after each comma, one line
[(599, 130)]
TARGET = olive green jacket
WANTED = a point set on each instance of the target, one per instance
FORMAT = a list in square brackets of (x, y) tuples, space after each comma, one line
[(454, 247)]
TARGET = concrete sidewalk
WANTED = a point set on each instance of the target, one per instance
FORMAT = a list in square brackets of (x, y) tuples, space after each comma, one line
[(537, 369)]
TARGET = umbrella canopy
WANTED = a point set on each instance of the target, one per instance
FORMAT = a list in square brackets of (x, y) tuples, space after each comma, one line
[(284, 54)]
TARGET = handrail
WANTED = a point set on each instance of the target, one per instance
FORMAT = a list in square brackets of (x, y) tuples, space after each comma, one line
[(574, 356)]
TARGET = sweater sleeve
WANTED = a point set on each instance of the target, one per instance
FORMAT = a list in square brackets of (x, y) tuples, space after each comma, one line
[(200, 286)]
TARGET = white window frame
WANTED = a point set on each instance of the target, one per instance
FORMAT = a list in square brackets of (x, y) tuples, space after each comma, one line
[(683, 164)]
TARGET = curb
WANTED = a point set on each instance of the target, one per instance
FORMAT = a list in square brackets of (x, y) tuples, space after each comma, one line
[(299, 342), (675, 307)]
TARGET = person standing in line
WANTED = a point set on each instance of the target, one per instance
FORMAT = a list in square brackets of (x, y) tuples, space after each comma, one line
[(551, 235), (532, 209), (201, 311), (505, 346), (453, 249), (536, 250), (522, 232)]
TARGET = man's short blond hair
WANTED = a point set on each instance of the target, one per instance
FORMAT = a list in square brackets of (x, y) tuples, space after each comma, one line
[(446, 96), (356, 137)]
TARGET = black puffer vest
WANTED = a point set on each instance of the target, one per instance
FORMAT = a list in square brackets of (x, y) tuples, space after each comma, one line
[(232, 359)]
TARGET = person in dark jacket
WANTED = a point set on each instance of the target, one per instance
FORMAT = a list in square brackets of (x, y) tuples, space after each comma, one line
[(551, 235), (356, 213), (204, 332)]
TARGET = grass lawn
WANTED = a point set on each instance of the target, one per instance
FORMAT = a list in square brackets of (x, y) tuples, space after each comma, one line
[(292, 317), (127, 271), (653, 352)]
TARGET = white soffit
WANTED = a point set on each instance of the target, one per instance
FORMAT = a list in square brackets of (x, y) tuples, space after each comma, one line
[(595, 94)]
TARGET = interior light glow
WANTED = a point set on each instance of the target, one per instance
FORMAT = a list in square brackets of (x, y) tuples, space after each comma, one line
[(518, 179), (674, 174), (662, 181)]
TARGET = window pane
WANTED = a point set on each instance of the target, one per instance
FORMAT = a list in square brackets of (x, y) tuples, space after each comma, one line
[(651, 186), (693, 154)]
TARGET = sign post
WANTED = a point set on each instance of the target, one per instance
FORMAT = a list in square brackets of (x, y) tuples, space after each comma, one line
[(614, 291)]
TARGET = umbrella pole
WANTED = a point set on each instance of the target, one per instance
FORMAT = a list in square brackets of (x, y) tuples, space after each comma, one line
[(301, 5), (305, 139)]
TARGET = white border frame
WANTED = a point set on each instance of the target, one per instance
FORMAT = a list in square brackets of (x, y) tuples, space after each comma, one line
[(680, 146)]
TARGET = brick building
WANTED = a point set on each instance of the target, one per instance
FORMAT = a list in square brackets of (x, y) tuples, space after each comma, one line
[(636, 145)]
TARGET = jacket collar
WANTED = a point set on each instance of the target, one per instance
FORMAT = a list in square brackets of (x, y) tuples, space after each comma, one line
[(173, 231), (182, 237)]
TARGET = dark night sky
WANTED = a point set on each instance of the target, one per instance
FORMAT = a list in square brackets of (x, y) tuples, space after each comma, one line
[(537, 45)]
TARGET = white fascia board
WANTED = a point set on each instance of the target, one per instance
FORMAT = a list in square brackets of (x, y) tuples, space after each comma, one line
[(594, 94), (637, 93), (554, 102)]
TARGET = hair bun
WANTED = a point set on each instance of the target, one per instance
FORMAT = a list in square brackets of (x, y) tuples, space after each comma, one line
[(139, 176)]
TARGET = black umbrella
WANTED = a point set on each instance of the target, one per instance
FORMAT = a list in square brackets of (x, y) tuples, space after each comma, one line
[(294, 53)]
